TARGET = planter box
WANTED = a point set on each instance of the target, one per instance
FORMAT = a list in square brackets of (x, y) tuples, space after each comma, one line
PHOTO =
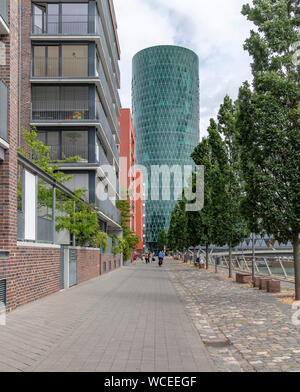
[(274, 286), (264, 283), (257, 282), (243, 278)]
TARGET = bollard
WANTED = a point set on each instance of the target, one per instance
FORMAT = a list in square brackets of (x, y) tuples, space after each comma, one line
[(274, 286), (257, 282), (264, 283)]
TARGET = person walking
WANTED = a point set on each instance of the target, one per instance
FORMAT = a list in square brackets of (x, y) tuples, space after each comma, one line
[(134, 257)]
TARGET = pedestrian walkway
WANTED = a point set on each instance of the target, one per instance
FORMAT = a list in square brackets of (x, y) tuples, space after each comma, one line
[(243, 328), (128, 320)]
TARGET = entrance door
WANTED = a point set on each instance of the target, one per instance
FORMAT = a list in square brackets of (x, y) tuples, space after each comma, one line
[(73, 267)]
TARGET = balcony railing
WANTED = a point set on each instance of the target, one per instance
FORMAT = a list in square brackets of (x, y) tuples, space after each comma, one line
[(100, 115), (111, 35), (110, 210), (63, 25), (4, 10), (108, 95), (61, 111), (3, 111), (65, 151)]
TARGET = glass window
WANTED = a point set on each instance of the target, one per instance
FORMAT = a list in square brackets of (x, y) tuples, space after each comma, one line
[(74, 60), (39, 61), (53, 55), (53, 19), (75, 143), (74, 18), (39, 17)]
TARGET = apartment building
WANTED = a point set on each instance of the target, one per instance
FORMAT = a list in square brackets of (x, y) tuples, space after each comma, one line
[(58, 73)]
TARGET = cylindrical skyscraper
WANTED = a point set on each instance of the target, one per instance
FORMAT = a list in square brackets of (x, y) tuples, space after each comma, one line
[(165, 100)]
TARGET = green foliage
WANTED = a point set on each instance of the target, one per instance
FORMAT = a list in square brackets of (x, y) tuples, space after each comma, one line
[(269, 124), (101, 240), (131, 240), (178, 232), (116, 245), (162, 240)]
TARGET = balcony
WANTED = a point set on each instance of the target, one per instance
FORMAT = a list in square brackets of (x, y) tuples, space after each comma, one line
[(110, 210), (61, 111), (4, 29), (55, 24), (3, 115), (66, 151)]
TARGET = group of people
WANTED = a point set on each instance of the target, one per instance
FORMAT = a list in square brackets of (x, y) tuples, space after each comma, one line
[(149, 257)]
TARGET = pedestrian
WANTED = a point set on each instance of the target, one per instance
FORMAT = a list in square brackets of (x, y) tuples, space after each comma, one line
[(134, 257), (160, 258)]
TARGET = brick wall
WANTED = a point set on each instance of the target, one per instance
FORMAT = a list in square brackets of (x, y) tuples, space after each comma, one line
[(109, 258), (31, 273), (88, 264)]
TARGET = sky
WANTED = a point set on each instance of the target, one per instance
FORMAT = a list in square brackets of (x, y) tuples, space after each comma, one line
[(215, 29)]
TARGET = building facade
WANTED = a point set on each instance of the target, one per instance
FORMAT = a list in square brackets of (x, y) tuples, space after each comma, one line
[(58, 73), (165, 98), (128, 161)]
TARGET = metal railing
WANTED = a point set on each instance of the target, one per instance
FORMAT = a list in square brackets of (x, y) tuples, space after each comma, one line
[(107, 93), (111, 35), (64, 110), (65, 151), (100, 115), (110, 210), (54, 24), (3, 111), (4, 10), (100, 32), (276, 266)]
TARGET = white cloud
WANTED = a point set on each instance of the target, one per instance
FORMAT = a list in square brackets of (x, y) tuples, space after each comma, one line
[(214, 29)]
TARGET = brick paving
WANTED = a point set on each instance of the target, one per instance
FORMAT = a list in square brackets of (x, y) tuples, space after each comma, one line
[(129, 320), (243, 328)]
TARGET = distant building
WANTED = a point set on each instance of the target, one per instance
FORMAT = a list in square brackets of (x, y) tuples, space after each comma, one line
[(128, 161), (165, 95)]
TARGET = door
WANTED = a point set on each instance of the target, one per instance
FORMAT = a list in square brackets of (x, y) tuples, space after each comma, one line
[(73, 267)]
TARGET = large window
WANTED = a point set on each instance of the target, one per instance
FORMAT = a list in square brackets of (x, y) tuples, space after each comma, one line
[(46, 61), (73, 60), (68, 18), (66, 144), (68, 103)]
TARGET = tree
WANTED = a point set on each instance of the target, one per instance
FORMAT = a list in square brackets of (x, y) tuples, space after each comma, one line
[(177, 234), (131, 240), (162, 240), (268, 124)]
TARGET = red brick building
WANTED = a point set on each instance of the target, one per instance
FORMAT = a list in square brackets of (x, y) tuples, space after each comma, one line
[(129, 174)]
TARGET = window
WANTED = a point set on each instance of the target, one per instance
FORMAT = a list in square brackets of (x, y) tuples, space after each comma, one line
[(39, 18), (75, 18), (53, 61), (39, 58), (75, 143), (74, 60)]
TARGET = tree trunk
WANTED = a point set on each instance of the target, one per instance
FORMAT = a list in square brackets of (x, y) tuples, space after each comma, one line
[(297, 265), (194, 256), (230, 259), (207, 260)]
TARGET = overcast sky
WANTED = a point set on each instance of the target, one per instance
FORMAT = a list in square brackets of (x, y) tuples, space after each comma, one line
[(214, 29)]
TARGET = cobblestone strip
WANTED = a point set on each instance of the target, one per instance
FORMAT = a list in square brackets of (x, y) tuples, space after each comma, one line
[(243, 329)]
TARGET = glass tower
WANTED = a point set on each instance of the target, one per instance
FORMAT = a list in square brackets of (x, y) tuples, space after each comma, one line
[(165, 100)]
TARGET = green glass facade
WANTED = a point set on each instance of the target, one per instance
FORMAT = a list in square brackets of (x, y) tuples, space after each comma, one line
[(165, 98)]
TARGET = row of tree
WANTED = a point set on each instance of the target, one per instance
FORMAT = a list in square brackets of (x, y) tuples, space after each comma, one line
[(252, 152)]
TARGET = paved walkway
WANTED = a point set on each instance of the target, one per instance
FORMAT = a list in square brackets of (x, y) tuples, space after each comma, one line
[(243, 328), (129, 320)]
